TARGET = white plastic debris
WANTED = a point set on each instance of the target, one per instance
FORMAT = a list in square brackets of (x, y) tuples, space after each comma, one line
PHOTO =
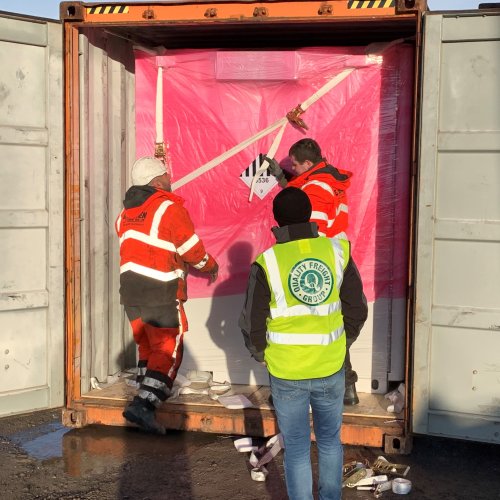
[(94, 383), (236, 401), (198, 376), (220, 388), (198, 382), (267, 452), (244, 445), (181, 380), (397, 398), (191, 390), (258, 473)]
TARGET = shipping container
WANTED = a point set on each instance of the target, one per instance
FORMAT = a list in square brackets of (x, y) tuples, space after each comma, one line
[(404, 98)]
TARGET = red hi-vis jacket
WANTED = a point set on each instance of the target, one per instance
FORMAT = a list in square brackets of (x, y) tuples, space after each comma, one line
[(157, 243), (326, 188)]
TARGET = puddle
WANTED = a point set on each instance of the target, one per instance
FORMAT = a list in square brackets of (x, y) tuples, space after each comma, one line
[(42, 442), (101, 448), (104, 448)]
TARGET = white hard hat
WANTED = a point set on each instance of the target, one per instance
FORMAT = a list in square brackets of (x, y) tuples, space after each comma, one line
[(145, 169)]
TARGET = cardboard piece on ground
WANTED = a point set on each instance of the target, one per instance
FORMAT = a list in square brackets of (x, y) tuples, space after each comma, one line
[(236, 401)]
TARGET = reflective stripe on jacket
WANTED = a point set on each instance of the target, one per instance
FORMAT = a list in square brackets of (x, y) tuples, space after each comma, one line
[(305, 331), (157, 241), (326, 188)]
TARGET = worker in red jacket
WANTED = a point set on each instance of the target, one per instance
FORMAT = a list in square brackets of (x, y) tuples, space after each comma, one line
[(326, 187), (157, 245)]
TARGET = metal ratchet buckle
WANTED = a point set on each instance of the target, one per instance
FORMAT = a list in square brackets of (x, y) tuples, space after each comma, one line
[(293, 117), (350, 473), (382, 466), (354, 478)]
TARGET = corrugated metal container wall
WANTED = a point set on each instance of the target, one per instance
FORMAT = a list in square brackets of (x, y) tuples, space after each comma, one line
[(31, 215), (107, 149), (457, 323)]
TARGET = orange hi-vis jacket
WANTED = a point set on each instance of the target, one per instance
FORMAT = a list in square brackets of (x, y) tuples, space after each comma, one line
[(326, 188), (157, 243)]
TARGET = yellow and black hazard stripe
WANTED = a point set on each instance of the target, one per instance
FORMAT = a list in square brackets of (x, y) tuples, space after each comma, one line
[(108, 9), (371, 4)]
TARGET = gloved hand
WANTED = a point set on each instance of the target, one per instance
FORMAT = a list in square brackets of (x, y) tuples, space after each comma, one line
[(213, 275), (274, 168)]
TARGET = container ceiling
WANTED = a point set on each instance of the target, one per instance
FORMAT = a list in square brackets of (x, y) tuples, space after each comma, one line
[(266, 34)]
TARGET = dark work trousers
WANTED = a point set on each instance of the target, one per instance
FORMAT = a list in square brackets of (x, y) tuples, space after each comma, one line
[(158, 332)]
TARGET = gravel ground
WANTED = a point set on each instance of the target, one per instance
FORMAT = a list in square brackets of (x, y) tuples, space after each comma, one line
[(40, 459)]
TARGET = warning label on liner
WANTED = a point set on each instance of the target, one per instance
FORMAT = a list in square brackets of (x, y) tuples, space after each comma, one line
[(265, 182)]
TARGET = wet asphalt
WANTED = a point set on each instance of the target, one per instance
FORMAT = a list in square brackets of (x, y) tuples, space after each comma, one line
[(39, 458)]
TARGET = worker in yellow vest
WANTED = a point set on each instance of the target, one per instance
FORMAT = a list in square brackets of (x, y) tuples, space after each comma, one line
[(326, 186), (304, 294)]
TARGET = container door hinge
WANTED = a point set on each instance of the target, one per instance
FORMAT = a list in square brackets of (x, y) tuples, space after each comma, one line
[(74, 418), (325, 10), (410, 6), (211, 12), (148, 14), (260, 12), (71, 11), (398, 445)]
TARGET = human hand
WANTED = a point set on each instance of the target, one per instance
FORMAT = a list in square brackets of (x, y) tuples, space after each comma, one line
[(274, 168)]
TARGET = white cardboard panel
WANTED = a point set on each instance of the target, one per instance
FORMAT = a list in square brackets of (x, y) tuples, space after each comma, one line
[(214, 343)]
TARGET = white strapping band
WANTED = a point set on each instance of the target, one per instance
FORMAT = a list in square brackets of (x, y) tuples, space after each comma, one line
[(282, 122)]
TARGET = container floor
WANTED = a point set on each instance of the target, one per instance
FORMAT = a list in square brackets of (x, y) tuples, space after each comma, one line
[(370, 405)]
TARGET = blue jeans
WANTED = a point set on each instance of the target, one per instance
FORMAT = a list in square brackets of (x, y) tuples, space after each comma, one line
[(291, 400)]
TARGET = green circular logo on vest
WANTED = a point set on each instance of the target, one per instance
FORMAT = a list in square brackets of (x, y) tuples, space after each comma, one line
[(311, 281)]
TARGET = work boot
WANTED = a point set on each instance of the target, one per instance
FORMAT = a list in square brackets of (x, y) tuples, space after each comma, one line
[(350, 395), (144, 418)]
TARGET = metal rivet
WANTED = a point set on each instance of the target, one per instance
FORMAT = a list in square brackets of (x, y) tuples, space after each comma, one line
[(260, 12), (211, 12), (325, 10)]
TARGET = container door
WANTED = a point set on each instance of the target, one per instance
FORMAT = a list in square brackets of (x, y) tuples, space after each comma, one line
[(456, 366), (31, 215)]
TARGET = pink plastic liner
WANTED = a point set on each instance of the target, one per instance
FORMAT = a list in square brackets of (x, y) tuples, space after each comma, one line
[(213, 100)]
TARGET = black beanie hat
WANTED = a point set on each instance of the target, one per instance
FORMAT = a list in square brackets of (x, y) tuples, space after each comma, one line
[(291, 206)]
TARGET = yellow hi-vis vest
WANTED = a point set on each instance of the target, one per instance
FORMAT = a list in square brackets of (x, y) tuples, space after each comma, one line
[(305, 331)]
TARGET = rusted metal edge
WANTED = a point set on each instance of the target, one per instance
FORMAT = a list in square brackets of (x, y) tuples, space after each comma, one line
[(246, 422), (209, 11)]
